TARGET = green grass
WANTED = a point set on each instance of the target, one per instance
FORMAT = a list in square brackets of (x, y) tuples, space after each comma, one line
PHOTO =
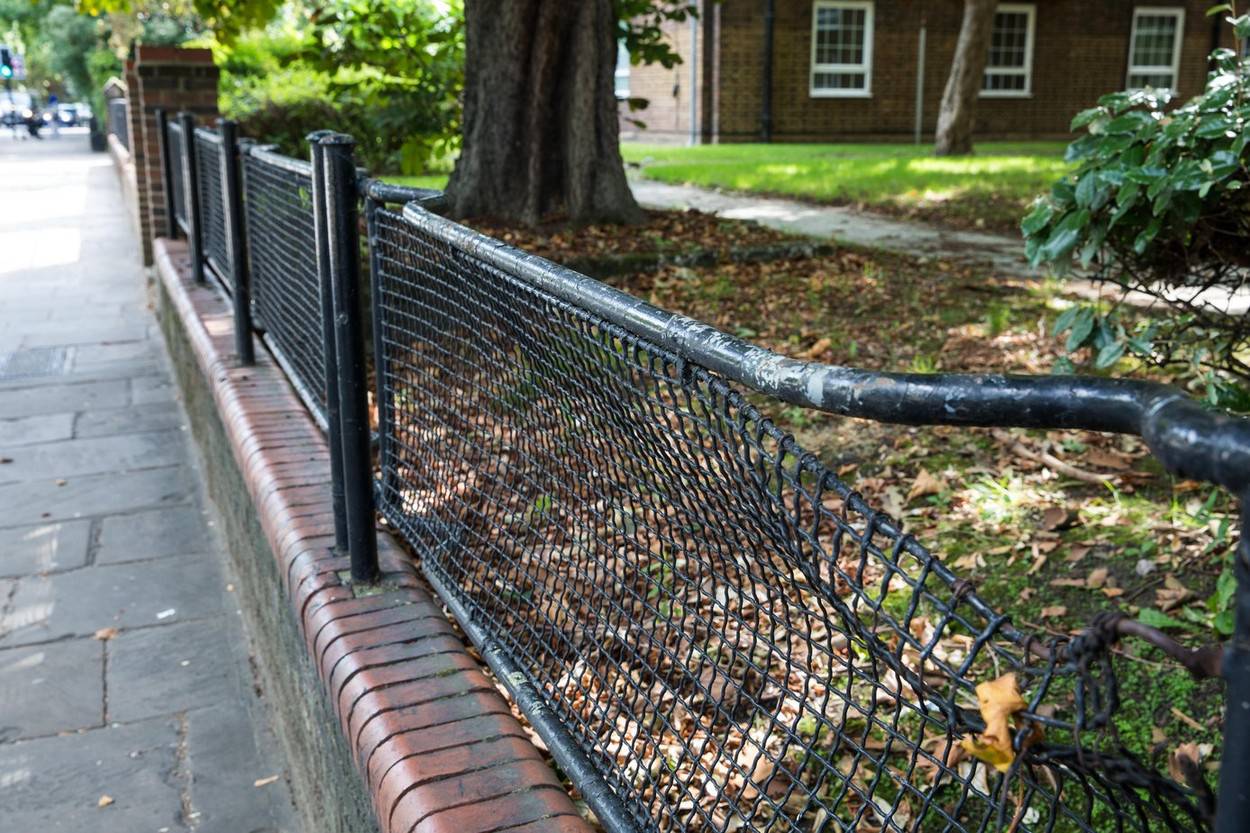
[(994, 186), (437, 181)]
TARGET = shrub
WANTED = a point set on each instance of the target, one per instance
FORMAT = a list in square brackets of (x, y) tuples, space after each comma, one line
[(1160, 204)]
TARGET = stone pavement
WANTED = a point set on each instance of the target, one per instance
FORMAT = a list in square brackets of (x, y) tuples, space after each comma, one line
[(127, 702)]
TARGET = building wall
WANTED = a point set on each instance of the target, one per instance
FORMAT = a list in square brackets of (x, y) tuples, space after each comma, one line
[(668, 92), (1081, 52)]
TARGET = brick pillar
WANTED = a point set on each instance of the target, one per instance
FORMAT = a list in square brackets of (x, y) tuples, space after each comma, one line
[(173, 79)]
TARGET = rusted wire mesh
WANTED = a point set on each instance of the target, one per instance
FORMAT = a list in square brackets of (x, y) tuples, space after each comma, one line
[(282, 253), (212, 214), (732, 637)]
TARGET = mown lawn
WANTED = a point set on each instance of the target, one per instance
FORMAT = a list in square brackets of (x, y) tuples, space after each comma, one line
[(991, 189)]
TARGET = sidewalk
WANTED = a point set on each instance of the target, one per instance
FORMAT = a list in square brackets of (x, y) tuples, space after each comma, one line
[(127, 703), (845, 225)]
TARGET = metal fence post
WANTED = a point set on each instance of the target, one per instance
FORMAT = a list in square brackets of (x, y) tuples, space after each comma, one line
[(236, 246), (329, 359), (1233, 798), (343, 240), (167, 172), (191, 193)]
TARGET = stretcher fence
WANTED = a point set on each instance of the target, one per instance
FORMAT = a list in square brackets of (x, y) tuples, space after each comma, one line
[(709, 629)]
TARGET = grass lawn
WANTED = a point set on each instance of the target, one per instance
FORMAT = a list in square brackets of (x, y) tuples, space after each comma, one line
[(989, 190), (438, 181)]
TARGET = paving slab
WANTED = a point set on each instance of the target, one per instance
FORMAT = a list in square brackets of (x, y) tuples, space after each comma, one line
[(56, 784), (136, 595), (44, 548), (225, 764), (37, 429), (51, 689), (158, 533), (136, 419), (171, 669), (32, 400), (95, 455), (101, 494)]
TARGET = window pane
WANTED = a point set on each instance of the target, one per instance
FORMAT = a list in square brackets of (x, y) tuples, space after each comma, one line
[(1009, 42), (838, 80), (1155, 42), (1158, 80), (622, 70), (840, 35), (1005, 83)]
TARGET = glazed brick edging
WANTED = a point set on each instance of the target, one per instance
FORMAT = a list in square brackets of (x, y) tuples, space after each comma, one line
[(433, 741)]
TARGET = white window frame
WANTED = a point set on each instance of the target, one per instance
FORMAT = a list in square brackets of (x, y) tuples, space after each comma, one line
[(1029, 9), (866, 67), (622, 72), (1177, 12)]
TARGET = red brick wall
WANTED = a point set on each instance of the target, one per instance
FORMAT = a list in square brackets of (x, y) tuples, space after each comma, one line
[(1080, 53)]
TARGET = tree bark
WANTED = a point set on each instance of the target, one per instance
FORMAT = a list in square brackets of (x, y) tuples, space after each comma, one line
[(540, 132), (959, 101)]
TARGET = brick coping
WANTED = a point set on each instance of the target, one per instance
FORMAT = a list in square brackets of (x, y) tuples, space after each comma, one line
[(435, 743)]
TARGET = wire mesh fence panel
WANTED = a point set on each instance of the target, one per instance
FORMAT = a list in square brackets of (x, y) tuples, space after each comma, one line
[(733, 637), (174, 144), (211, 195), (282, 252), (118, 121)]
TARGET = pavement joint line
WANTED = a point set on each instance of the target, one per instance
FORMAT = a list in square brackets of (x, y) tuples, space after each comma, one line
[(182, 771), (104, 680), (94, 533), (70, 637)]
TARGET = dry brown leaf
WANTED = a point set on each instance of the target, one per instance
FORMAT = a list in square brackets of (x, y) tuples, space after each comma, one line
[(105, 634), (1053, 611), (998, 700), (817, 349), (261, 782), (1055, 517), (925, 484), (1096, 578)]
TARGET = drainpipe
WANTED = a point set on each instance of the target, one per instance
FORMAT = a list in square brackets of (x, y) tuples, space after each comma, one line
[(920, 59), (694, 78), (766, 105)]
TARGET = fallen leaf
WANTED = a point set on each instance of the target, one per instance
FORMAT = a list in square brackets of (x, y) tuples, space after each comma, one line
[(105, 800), (1055, 517), (1096, 578), (925, 484), (998, 701), (105, 634), (817, 349), (1053, 611), (261, 782)]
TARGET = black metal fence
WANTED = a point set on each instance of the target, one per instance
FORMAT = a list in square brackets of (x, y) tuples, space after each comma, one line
[(119, 120), (709, 629), (210, 204)]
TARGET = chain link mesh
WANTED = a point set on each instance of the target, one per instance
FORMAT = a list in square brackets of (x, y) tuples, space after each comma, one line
[(208, 151), (282, 251), (174, 145), (734, 637)]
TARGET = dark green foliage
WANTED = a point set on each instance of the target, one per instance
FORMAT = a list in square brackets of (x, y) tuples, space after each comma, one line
[(1159, 204), (388, 73)]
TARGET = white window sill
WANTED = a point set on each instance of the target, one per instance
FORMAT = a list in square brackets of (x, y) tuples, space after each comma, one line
[(840, 93), (1005, 94)]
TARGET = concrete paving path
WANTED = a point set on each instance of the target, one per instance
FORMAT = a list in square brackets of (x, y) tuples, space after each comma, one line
[(845, 225), (127, 703)]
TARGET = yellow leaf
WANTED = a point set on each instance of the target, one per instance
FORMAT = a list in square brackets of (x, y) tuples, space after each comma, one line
[(105, 800), (998, 701)]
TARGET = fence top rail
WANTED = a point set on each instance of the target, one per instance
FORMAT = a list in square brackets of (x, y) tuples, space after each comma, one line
[(267, 154), (1188, 439), (174, 126), (392, 194), (208, 134)]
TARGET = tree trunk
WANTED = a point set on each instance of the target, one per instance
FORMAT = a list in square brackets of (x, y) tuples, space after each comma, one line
[(959, 101), (540, 121)]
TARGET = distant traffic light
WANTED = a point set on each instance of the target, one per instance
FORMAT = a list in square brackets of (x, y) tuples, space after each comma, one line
[(6, 63)]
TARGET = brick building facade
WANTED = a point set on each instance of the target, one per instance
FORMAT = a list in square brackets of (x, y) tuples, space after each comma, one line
[(849, 70)]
